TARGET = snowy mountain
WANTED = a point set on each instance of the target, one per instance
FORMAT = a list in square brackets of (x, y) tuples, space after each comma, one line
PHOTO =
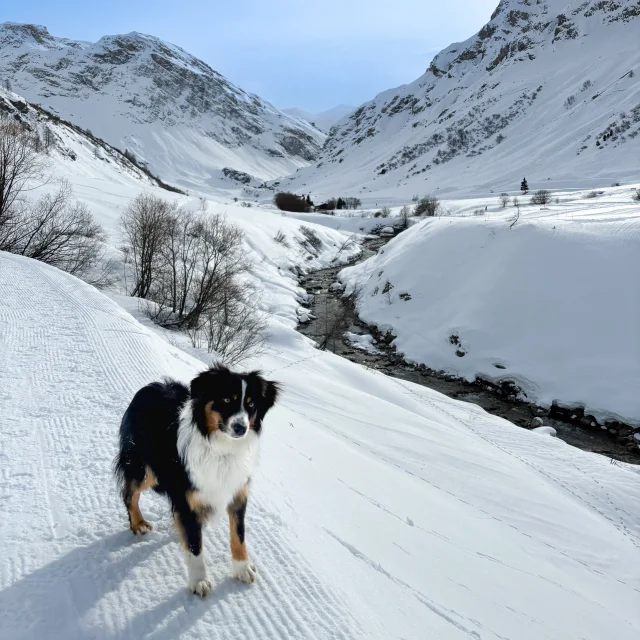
[(550, 90), (323, 120), (168, 108)]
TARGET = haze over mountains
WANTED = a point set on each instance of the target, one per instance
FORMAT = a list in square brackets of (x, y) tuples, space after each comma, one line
[(325, 119)]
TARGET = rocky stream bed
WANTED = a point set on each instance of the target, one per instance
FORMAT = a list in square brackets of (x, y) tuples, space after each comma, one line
[(333, 317)]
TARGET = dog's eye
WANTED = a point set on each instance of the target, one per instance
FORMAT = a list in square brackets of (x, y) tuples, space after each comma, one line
[(226, 400), (251, 405)]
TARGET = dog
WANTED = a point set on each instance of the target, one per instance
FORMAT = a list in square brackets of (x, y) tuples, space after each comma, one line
[(197, 446)]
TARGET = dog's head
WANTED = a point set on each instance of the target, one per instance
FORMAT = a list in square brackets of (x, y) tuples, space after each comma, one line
[(231, 403)]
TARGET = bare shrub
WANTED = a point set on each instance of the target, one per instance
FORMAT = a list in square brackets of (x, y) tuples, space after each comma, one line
[(246, 204), (352, 203), (233, 329), (201, 261), (311, 242), (542, 196), (516, 201), (504, 200), (405, 214), (190, 266), (385, 212), (22, 168), (281, 238), (569, 102), (427, 206), (55, 229), (290, 202), (636, 196), (58, 231), (592, 194), (145, 225)]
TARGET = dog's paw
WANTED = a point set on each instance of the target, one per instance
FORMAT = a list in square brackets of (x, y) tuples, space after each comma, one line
[(201, 588), (140, 528), (244, 571)]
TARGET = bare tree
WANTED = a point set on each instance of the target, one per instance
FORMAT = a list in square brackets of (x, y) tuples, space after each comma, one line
[(144, 225), (504, 200), (22, 169), (201, 261), (234, 330), (48, 137), (427, 206), (58, 231), (405, 214), (190, 267), (542, 196)]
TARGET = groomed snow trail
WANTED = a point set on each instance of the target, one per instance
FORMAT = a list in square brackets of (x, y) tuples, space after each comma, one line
[(69, 568), (380, 509)]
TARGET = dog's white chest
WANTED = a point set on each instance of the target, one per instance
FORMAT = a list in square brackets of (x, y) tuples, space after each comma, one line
[(218, 467)]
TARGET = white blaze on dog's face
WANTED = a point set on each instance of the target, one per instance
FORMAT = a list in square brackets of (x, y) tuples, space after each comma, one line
[(231, 403)]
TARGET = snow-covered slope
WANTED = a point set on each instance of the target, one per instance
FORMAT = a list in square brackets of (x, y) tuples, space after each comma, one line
[(549, 301), (443, 522), (550, 90), (323, 120), (168, 108)]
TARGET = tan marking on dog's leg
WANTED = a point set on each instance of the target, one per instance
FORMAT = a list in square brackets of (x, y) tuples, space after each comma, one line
[(203, 511), (241, 568), (138, 524), (181, 533), (238, 547)]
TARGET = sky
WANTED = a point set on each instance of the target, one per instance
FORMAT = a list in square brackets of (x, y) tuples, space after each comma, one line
[(295, 53)]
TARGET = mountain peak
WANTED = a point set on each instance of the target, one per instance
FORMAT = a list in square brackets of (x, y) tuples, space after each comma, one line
[(169, 108), (530, 94)]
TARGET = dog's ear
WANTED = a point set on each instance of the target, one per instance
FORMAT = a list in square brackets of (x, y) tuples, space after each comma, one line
[(269, 391), (201, 383)]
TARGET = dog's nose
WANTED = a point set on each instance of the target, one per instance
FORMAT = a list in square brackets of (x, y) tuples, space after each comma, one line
[(239, 428)]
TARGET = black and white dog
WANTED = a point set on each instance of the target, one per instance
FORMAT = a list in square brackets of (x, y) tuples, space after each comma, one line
[(198, 447)]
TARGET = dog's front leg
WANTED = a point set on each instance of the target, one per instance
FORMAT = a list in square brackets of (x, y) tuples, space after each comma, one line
[(241, 568), (190, 531)]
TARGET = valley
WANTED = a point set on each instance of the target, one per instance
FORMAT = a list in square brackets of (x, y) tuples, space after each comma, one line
[(455, 452)]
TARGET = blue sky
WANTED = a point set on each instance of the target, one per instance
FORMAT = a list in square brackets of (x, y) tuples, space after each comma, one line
[(295, 53)]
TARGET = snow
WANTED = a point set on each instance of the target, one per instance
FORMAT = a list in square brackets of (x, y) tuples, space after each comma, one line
[(365, 342), (552, 299), (545, 431), (443, 521)]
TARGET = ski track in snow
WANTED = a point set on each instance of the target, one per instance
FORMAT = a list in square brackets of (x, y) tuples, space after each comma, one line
[(92, 579)]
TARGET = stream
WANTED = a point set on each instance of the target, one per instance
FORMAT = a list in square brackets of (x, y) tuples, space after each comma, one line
[(334, 316)]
